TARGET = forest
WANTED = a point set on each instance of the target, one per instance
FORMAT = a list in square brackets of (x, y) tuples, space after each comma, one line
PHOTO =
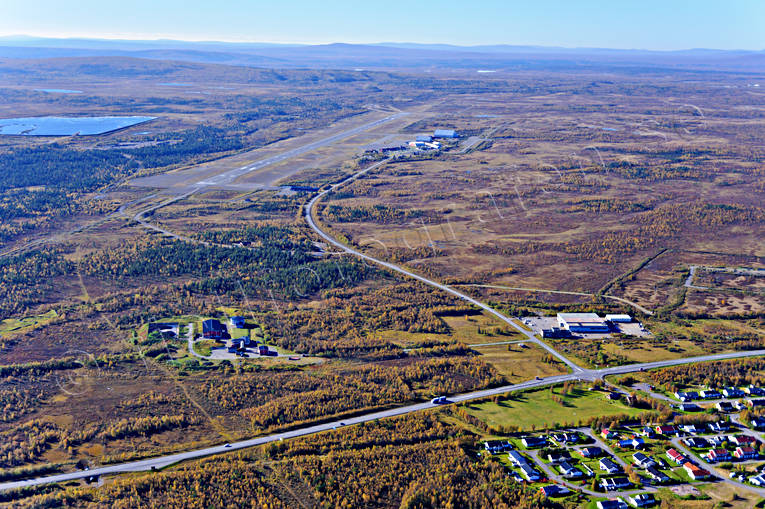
[(414, 462)]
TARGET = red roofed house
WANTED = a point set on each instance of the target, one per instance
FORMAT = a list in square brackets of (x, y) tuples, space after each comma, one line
[(743, 439), (666, 430), (695, 472), (719, 455), (607, 434), (745, 453), (675, 456)]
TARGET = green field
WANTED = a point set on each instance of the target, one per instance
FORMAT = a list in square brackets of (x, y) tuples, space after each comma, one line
[(537, 410)]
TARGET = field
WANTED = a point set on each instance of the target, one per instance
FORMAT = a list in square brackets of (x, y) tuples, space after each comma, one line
[(537, 410)]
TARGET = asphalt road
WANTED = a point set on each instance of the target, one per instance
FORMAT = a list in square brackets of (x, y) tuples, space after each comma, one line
[(578, 373), (331, 240), (711, 469), (163, 461)]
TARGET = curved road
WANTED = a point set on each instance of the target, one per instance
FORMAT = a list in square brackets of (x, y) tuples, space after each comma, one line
[(577, 374), (309, 212)]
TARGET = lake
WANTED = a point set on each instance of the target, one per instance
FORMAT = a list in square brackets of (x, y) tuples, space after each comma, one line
[(67, 126)]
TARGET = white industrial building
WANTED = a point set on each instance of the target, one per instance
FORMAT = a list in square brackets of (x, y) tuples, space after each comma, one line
[(582, 322), (618, 318)]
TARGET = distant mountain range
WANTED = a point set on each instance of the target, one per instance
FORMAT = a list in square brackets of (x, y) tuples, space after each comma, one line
[(387, 55)]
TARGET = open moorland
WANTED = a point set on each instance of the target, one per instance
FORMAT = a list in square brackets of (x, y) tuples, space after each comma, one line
[(564, 192)]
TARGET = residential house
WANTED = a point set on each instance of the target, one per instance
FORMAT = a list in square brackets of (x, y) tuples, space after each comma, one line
[(757, 423), (724, 406), (666, 429), (742, 440), (608, 466), (718, 440), (497, 446), (689, 407), (754, 390), (745, 453), (647, 431), (557, 457), (733, 392), (694, 472), (692, 428), (554, 490), (676, 457), (642, 460), (717, 427), (569, 470), (565, 438), (517, 458), (696, 442), (758, 480), (533, 442), (717, 455), (616, 503), (614, 483), (632, 443), (530, 473), (607, 434), (591, 452), (687, 396), (614, 396), (642, 500), (755, 403), (710, 394), (657, 475)]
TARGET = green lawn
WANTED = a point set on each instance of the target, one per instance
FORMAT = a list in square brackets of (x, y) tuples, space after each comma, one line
[(537, 410), (239, 333), (204, 347)]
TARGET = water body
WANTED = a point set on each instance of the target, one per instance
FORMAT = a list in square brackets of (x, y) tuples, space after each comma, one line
[(66, 126), (176, 85), (58, 91)]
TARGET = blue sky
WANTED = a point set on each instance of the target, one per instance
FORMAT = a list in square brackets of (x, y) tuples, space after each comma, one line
[(645, 24)]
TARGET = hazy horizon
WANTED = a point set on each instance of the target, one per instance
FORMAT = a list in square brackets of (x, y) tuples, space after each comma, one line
[(650, 25)]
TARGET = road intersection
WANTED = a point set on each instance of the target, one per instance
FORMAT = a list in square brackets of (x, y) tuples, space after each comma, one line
[(577, 372)]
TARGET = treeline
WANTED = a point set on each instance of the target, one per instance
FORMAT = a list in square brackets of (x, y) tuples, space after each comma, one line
[(718, 374), (47, 181), (61, 167), (162, 257), (280, 236), (377, 213), (142, 426)]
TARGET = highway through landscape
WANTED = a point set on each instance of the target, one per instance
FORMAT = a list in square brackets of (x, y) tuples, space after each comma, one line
[(166, 460), (577, 373)]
